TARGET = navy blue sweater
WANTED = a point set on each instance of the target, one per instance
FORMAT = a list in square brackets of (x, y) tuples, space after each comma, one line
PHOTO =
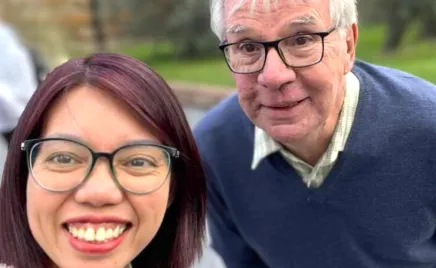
[(376, 208)]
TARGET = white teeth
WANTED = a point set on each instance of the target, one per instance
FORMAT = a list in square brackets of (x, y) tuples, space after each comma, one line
[(109, 234), (102, 234), (74, 232), (81, 234), (90, 234)]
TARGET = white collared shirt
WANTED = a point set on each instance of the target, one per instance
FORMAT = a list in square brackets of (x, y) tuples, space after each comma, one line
[(313, 176)]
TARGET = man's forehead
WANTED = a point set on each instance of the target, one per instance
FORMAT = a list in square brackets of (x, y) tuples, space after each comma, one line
[(232, 6), (304, 20), (253, 6)]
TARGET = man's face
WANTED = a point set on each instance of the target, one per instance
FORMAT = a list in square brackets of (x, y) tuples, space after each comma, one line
[(291, 104)]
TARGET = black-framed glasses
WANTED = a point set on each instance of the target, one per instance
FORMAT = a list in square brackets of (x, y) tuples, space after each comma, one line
[(296, 51), (60, 164)]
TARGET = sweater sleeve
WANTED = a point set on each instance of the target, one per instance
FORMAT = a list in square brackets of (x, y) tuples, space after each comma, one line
[(225, 238)]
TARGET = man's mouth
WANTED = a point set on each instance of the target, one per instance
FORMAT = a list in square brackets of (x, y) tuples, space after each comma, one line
[(286, 106)]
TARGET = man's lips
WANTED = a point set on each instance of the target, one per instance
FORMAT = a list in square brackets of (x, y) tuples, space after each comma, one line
[(284, 106)]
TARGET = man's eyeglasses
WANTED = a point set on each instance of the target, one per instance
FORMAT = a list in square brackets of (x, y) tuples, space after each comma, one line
[(296, 51), (59, 164)]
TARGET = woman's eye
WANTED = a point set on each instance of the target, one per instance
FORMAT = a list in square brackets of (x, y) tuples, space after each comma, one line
[(139, 162), (62, 159)]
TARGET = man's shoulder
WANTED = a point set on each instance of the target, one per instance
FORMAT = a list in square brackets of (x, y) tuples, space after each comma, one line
[(396, 91), (221, 115), (394, 80), (224, 119), (405, 103)]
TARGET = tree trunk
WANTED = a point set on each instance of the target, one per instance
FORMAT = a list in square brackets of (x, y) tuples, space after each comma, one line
[(398, 15), (97, 26), (428, 19), (396, 28)]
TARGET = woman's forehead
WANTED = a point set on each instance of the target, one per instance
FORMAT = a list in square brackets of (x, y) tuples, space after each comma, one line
[(96, 117)]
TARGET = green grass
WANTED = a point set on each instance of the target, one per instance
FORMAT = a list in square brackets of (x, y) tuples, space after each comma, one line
[(210, 71), (203, 71), (416, 57)]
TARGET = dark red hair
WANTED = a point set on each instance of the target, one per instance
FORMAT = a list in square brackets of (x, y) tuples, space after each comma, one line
[(179, 240)]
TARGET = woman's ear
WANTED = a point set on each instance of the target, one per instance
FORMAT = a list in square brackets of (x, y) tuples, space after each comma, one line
[(173, 188)]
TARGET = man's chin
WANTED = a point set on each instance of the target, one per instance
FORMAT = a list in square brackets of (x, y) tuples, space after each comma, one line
[(286, 134)]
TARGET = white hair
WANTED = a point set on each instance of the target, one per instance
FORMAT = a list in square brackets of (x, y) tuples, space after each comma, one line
[(342, 12)]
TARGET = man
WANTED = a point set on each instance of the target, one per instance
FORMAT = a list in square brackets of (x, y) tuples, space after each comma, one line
[(17, 79), (320, 160)]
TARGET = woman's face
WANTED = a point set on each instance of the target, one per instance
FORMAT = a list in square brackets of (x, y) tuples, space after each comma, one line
[(97, 224)]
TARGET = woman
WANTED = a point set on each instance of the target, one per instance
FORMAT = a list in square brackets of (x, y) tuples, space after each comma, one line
[(102, 172)]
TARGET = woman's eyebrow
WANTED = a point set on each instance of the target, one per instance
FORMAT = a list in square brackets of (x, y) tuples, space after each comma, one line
[(65, 136)]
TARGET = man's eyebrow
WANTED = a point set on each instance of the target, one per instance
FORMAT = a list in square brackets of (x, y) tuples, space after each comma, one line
[(243, 30), (308, 19), (237, 29)]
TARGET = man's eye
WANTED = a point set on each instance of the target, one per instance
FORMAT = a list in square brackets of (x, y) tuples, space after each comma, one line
[(248, 47), (302, 40)]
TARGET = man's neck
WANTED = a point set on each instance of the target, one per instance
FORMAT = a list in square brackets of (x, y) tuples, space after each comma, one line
[(311, 148)]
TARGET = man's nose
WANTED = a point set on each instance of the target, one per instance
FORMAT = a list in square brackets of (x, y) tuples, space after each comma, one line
[(100, 188), (275, 72)]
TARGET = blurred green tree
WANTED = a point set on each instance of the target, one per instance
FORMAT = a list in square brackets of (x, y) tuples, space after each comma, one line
[(400, 14), (184, 24), (428, 19)]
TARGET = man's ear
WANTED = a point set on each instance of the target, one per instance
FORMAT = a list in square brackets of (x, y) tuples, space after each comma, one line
[(351, 38)]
